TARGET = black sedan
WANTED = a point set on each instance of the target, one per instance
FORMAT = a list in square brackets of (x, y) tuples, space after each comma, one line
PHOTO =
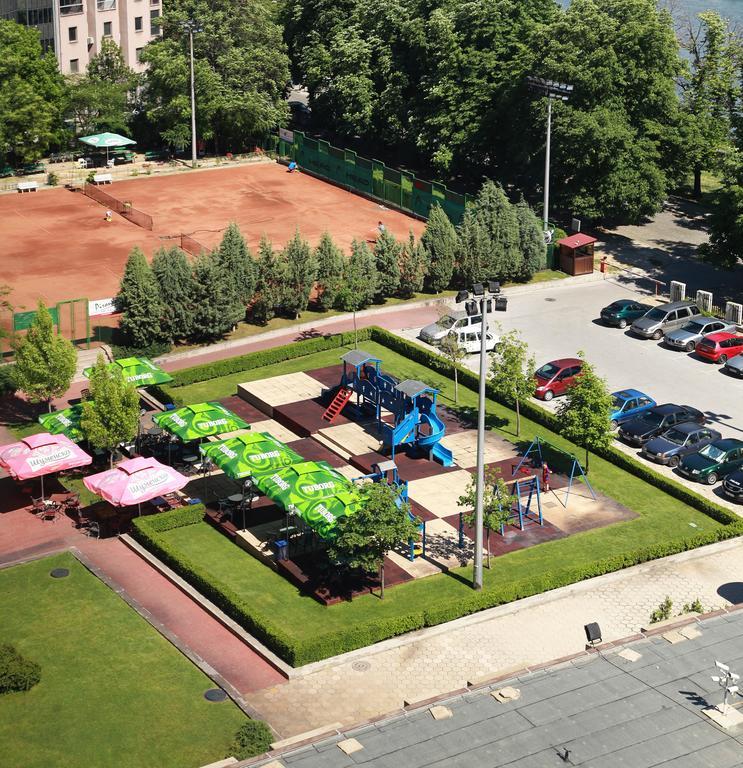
[(656, 421), (670, 447), (732, 485)]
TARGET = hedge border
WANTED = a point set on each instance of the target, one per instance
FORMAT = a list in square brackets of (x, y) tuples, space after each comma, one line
[(148, 530)]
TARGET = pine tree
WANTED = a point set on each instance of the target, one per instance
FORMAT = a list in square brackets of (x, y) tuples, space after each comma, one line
[(111, 413), (174, 277), (330, 264), (238, 270), (412, 267), (498, 217), (44, 361), (439, 242), (531, 240), (473, 252), (139, 302), (212, 307), (359, 279), (268, 287), (299, 268), (387, 258)]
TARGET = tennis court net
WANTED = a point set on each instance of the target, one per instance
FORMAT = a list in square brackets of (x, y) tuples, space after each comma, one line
[(140, 218)]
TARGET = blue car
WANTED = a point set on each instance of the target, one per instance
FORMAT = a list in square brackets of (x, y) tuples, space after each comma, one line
[(628, 404)]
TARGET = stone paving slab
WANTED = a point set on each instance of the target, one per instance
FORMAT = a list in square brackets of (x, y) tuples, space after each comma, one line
[(463, 446), (279, 431), (266, 394), (440, 493), (353, 438)]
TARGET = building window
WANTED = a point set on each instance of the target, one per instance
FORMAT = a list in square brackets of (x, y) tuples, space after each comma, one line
[(74, 66), (72, 34), (137, 23), (35, 16), (155, 22), (107, 29), (66, 7), (139, 54), (106, 5), (154, 2)]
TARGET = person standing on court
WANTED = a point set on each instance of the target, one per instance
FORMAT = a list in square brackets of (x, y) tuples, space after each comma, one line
[(109, 215)]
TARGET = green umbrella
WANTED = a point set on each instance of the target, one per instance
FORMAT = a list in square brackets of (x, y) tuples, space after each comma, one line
[(201, 420), (106, 140), (66, 422), (250, 454), (312, 489), (139, 371)]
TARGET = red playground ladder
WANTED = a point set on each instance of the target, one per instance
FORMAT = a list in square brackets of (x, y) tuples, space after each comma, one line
[(338, 404)]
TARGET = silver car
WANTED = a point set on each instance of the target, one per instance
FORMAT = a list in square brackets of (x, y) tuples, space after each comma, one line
[(665, 318), (734, 366), (688, 336)]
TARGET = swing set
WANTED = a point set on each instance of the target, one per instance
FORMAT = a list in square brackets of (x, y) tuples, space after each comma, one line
[(575, 468)]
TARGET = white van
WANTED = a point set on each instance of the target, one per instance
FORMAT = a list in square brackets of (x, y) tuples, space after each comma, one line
[(469, 341), (457, 321)]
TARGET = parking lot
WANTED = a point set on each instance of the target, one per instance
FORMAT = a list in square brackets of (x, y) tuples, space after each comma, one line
[(562, 319)]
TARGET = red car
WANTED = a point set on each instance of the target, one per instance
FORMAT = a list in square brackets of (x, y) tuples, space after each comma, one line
[(720, 347), (553, 379)]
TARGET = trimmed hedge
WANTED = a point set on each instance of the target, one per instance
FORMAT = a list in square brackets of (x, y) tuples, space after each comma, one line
[(253, 738), (16, 672), (265, 357)]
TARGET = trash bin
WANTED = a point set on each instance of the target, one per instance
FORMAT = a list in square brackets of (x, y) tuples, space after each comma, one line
[(281, 547), (501, 303)]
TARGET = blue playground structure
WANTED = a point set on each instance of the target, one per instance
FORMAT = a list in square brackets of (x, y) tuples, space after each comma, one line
[(412, 403)]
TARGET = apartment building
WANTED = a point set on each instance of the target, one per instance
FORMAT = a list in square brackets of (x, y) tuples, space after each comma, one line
[(74, 29)]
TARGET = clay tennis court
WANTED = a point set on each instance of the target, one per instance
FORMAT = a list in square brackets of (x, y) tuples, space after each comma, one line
[(57, 245)]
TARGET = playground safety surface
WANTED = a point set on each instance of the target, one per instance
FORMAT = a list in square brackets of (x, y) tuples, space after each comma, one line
[(352, 444)]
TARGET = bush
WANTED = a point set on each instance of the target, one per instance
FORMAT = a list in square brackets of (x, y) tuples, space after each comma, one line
[(151, 350), (252, 738), (16, 672), (52, 179), (176, 518), (7, 381)]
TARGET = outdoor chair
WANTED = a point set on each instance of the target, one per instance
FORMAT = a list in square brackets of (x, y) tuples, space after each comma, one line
[(50, 513), (37, 506), (93, 529)]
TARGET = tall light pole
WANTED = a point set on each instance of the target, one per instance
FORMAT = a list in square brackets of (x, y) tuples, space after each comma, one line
[(482, 296), (552, 90), (192, 27)]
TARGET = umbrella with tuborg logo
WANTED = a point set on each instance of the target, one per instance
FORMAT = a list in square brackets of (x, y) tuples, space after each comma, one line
[(193, 422), (135, 481), (140, 371), (314, 490), (250, 454), (65, 422), (42, 454)]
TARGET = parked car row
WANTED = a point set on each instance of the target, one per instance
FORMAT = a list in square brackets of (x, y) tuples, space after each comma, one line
[(682, 326)]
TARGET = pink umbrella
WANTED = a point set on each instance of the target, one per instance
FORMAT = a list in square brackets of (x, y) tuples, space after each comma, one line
[(135, 481), (42, 454)]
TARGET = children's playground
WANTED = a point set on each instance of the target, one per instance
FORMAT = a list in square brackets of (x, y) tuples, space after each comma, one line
[(317, 435)]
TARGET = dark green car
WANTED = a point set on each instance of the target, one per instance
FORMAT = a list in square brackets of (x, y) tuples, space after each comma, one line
[(714, 461), (621, 313)]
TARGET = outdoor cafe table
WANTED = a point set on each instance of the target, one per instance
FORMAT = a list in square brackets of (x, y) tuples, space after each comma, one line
[(236, 498)]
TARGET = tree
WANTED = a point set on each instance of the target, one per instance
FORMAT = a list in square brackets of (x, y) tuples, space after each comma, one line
[(473, 253), (710, 92), (45, 361), (439, 243), (111, 413), (5, 306), (725, 246), (378, 526), (412, 267), (512, 372), (299, 269), (268, 286), (238, 271), (497, 216), (455, 354), (330, 264), (174, 276), (585, 414), (31, 96), (531, 240), (139, 302), (387, 258), (213, 302), (241, 73), (497, 504), (359, 281), (109, 65)]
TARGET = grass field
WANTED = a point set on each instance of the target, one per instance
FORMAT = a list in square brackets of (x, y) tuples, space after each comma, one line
[(661, 518), (113, 692)]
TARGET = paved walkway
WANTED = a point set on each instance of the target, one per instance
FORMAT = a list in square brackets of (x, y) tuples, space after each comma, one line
[(533, 631), (23, 536), (640, 706)]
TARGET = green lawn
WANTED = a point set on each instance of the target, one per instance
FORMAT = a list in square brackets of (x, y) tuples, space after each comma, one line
[(661, 519), (113, 691)]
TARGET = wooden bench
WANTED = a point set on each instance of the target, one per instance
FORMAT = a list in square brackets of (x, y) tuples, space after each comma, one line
[(102, 178), (28, 186)]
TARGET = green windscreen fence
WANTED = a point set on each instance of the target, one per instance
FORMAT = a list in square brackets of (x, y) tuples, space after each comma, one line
[(372, 178)]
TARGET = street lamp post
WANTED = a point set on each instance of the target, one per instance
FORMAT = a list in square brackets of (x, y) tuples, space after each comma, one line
[(482, 295), (552, 90), (192, 27)]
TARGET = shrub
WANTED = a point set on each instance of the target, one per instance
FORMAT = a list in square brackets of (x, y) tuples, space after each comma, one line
[(7, 381), (662, 612), (151, 350), (16, 672), (252, 738), (52, 179)]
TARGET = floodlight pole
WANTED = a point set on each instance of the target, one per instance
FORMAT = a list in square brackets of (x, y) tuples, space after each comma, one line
[(191, 27), (548, 147), (480, 494)]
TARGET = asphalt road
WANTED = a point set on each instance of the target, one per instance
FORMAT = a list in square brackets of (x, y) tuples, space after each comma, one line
[(558, 321)]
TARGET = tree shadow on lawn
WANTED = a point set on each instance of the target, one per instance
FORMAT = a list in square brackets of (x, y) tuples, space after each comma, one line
[(16, 410), (466, 416)]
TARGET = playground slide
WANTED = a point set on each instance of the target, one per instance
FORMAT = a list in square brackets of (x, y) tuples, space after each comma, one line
[(403, 431), (443, 455), (431, 441)]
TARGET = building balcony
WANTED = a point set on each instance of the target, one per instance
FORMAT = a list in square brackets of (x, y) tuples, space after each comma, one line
[(106, 5), (67, 8)]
